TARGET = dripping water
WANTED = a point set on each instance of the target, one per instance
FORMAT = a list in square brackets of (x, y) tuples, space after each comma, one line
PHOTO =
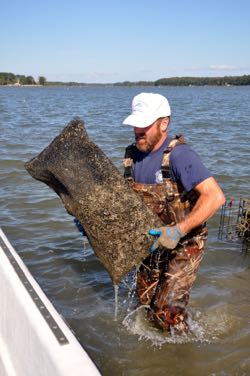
[(85, 245), (116, 289)]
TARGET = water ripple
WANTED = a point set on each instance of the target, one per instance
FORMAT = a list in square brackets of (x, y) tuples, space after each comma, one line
[(216, 123)]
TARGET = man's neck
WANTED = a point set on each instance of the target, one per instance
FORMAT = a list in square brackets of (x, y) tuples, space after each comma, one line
[(160, 142)]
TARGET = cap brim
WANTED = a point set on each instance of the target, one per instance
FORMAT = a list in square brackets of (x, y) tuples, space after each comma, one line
[(138, 121)]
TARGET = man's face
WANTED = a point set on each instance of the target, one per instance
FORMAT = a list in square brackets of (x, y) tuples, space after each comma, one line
[(148, 138)]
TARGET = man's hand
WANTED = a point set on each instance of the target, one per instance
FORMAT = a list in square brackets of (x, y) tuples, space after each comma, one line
[(169, 237)]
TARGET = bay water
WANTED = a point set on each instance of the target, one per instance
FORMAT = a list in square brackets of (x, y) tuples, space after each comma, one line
[(113, 330)]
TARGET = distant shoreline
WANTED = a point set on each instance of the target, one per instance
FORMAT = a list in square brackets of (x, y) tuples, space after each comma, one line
[(79, 85), (12, 80), (14, 85)]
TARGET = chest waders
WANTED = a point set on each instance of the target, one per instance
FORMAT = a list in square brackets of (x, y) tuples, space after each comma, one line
[(165, 277)]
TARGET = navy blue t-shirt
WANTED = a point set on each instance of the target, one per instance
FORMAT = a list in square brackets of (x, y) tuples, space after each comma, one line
[(186, 166)]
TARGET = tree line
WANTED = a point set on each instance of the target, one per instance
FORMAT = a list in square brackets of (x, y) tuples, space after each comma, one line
[(20, 79), (16, 79), (192, 81), (201, 81)]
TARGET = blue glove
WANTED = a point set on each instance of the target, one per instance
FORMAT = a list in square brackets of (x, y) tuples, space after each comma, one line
[(79, 227), (169, 237)]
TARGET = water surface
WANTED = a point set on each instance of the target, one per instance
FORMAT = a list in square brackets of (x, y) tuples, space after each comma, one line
[(215, 120)]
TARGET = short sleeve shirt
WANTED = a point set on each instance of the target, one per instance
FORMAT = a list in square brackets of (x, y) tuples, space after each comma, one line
[(186, 166)]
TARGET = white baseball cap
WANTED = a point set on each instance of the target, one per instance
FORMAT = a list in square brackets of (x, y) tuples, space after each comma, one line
[(146, 109)]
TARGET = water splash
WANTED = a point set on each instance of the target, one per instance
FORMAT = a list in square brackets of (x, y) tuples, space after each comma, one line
[(137, 323), (116, 289), (85, 246), (203, 328), (130, 282)]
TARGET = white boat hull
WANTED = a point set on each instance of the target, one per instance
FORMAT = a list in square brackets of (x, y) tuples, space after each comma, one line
[(34, 339)]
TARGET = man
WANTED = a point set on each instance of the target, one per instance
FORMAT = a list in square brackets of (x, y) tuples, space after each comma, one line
[(175, 184)]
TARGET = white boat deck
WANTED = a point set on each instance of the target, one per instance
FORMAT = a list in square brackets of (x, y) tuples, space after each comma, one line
[(34, 339)]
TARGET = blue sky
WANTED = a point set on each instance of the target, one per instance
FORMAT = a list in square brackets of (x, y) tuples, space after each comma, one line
[(109, 41)]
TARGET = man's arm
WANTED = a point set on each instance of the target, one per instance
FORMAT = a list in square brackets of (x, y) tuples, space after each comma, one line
[(210, 199)]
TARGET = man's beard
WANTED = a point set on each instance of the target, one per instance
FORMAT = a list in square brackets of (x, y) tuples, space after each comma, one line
[(146, 143)]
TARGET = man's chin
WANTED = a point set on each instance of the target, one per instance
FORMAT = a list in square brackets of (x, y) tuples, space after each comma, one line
[(143, 147)]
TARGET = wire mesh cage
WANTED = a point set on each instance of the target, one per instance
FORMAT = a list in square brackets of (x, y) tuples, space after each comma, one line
[(235, 222)]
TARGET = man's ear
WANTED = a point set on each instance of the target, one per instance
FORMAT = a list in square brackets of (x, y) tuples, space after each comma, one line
[(165, 123)]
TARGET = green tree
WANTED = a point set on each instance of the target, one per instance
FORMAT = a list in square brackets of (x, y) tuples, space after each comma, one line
[(42, 80), (30, 80), (7, 78), (21, 79)]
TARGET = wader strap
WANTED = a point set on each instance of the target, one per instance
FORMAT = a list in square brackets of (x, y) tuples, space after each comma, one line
[(165, 166)]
